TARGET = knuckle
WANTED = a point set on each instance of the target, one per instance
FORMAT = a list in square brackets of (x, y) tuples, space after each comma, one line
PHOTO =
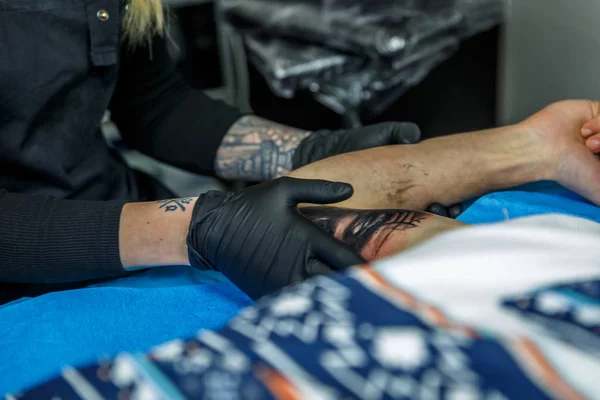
[(284, 186), (284, 182)]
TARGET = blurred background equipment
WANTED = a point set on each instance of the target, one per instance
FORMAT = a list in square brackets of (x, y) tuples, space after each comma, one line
[(355, 56), (331, 63), (549, 53)]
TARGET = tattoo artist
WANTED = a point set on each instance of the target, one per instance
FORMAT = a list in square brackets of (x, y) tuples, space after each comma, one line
[(71, 210)]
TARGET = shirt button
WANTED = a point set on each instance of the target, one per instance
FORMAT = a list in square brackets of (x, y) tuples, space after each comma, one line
[(102, 15)]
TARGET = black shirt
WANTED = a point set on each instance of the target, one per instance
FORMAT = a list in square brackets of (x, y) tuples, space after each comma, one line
[(61, 187)]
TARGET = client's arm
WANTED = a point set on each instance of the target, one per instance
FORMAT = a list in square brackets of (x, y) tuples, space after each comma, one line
[(376, 234), (154, 233), (447, 170)]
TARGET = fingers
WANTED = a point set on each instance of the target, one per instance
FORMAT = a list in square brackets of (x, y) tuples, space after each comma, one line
[(315, 191), (591, 127), (455, 211), (593, 143), (448, 212), (334, 253), (438, 209), (591, 132), (405, 133)]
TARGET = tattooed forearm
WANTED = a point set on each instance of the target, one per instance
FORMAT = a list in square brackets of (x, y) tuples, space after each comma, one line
[(255, 149), (175, 204), (372, 233)]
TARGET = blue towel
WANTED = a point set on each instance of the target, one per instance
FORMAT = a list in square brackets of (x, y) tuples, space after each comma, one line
[(532, 199), (38, 336), (76, 327)]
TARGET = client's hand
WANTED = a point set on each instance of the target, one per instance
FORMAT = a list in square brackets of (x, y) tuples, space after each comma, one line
[(591, 129), (559, 128)]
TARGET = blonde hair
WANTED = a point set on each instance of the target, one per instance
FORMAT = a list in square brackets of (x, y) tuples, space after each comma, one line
[(143, 19)]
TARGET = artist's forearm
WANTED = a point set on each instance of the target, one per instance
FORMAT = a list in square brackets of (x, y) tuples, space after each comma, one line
[(256, 149), (154, 233)]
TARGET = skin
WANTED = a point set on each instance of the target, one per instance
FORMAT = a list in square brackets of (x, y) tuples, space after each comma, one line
[(255, 149), (447, 170), (591, 129), (376, 234), (151, 236), (433, 171)]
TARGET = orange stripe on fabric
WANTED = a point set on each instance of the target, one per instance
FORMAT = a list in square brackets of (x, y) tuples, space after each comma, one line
[(428, 312), (436, 315), (546, 372), (401, 295), (279, 386)]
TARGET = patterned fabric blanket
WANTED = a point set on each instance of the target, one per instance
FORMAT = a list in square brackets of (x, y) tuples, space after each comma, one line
[(501, 311)]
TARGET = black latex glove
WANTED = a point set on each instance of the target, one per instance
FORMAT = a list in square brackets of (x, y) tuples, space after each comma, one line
[(322, 144), (259, 240), (443, 211)]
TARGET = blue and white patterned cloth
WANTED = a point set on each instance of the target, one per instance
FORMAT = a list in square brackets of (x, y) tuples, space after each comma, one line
[(504, 311)]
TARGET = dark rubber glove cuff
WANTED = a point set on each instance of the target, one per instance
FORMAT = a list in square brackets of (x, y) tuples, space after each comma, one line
[(206, 204), (317, 146)]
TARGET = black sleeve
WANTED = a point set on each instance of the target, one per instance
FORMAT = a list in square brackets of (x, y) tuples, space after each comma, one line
[(159, 114), (46, 240)]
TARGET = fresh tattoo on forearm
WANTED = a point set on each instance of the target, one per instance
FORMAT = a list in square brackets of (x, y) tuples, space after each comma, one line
[(255, 149), (372, 233), (170, 205)]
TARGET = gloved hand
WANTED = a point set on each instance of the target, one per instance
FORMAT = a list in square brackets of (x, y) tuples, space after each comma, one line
[(443, 211), (323, 143), (259, 240)]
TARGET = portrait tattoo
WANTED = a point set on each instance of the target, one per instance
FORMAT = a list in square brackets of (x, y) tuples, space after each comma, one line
[(359, 228), (174, 204)]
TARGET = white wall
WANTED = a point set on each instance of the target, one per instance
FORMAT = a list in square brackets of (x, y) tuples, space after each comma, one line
[(550, 52)]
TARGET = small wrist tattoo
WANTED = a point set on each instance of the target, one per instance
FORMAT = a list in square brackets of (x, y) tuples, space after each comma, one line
[(174, 204)]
